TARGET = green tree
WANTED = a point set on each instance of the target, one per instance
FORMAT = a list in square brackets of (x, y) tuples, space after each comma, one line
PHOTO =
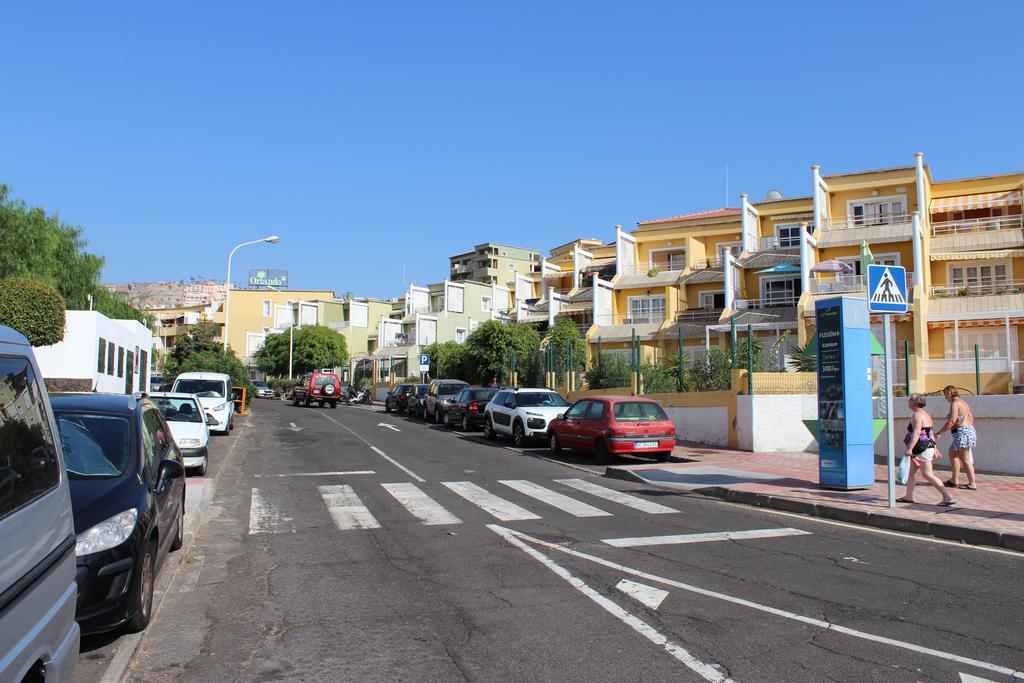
[(563, 335), (447, 360), (805, 358), (113, 306), (33, 308), (315, 346), (488, 351), (198, 351), (658, 379), (611, 370)]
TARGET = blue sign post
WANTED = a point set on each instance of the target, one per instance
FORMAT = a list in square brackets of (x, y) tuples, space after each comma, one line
[(887, 294), (846, 453)]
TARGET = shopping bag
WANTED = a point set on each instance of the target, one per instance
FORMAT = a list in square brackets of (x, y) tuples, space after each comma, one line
[(904, 471)]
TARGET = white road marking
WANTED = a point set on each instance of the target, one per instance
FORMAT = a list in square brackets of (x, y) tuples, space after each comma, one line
[(385, 424), (820, 623), (314, 474), (619, 497), (968, 678), (265, 518), (292, 426), (677, 539), (375, 449), (706, 671), (420, 504), (648, 595), (499, 508), (574, 507), (347, 511)]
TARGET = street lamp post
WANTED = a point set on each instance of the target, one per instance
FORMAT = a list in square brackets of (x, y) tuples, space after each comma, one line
[(272, 239), (291, 332)]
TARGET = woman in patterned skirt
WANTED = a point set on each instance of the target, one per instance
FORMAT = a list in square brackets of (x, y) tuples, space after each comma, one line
[(960, 424)]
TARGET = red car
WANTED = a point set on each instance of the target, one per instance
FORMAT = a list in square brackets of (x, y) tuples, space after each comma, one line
[(321, 387), (604, 425)]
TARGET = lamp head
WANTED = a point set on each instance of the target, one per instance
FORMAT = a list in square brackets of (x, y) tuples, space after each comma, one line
[(273, 239)]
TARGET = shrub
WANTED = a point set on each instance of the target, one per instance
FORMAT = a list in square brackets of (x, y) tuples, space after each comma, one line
[(658, 379), (611, 370), (33, 308)]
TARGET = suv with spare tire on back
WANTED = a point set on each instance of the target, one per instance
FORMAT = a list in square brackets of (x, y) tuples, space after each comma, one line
[(319, 386)]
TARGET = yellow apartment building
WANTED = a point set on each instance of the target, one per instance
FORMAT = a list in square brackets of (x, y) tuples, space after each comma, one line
[(255, 313)]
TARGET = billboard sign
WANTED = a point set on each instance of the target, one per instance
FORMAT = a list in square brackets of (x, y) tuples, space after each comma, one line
[(260, 278)]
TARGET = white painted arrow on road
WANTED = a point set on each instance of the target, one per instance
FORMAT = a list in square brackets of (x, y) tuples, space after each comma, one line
[(385, 424), (295, 428), (648, 595)]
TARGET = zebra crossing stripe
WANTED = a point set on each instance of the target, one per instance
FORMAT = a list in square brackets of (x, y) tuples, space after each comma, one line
[(499, 508), (265, 518), (574, 507), (617, 497), (420, 505), (347, 511)]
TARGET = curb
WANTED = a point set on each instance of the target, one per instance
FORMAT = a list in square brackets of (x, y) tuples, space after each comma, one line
[(132, 643), (943, 530)]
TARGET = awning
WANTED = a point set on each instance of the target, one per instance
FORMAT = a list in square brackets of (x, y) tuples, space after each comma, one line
[(778, 268), (976, 255), (987, 322), (968, 202)]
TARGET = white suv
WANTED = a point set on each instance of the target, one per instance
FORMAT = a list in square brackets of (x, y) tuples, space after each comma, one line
[(522, 414)]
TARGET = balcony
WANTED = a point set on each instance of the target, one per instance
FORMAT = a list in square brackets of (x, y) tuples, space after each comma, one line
[(872, 229), (967, 366), (762, 304), (997, 297), (773, 243), (708, 264), (991, 288), (698, 315), (975, 234)]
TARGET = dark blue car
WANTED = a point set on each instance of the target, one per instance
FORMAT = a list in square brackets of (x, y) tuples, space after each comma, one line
[(128, 496)]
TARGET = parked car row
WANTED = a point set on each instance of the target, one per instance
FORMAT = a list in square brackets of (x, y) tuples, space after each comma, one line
[(92, 501), (600, 425)]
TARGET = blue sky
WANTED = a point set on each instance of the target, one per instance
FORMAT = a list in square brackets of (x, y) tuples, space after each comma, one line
[(372, 135)]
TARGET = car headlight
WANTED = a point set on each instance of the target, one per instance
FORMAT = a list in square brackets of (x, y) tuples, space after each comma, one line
[(188, 443), (108, 534), (222, 406)]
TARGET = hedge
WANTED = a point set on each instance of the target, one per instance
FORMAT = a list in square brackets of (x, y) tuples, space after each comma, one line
[(33, 308)]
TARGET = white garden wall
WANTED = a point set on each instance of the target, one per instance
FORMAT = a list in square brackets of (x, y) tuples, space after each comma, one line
[(773, 422), (701, 425)]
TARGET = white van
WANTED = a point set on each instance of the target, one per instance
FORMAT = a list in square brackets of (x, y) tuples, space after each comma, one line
[(213, 389), (38, 633)]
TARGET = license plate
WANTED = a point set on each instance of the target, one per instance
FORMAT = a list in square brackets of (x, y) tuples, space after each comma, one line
[(645, 444)]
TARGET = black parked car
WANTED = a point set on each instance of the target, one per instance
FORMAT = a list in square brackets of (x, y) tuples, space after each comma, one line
[(416, 403), (397, 398), (128, 495), (466, 409)]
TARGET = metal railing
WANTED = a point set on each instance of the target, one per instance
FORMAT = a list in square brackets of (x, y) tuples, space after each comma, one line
[(773, 242), (654, 318), (839, 283), (869, 221), (995, 287), (970, 225), (707, 264), (647, 268), (699, 315), (966, 365), (770, 302)]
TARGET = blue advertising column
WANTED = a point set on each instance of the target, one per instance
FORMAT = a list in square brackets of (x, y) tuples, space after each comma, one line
[(846, 453)]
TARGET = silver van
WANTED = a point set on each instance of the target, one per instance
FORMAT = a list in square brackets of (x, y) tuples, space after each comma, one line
[(38, 633)]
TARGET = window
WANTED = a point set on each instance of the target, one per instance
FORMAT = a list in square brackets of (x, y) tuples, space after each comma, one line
[(788, 234), (154, 441), (638, 411), (578, 409), (596, 411), (485, 304), (668, 259), (101, 359), (780, 292), (460, 335), (266, 308), (120, 361), (991, 343), (979, 278), (724, 248), (111, 359), (712, 300), (540, 398), (28, 456), (878, 211), (203, 388), (647, 309), (880, 259), (95, 445)]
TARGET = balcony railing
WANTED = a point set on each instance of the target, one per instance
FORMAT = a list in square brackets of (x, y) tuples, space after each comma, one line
[(698, 315), (773, 242), (966, 366), (770, 302), (839, 284), (970, 225), (708, 264), (646, 268), (992, 288), (869, 221)]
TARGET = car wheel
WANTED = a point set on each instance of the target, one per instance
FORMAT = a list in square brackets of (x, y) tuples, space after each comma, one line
[(179, 531), (306, 402), (518, 435), (295, 401), (201, 470), (334, 404), (231, 424), (465, 423), (489, 430), (387, 407), (438, 417), (142, 596), (601, 453), (553, 443)]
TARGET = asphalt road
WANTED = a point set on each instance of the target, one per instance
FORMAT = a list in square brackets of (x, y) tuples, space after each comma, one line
[(340, 549)]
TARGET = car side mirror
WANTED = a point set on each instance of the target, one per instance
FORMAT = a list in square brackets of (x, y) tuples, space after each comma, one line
[(562, 416), (169, 470), (210, 420)]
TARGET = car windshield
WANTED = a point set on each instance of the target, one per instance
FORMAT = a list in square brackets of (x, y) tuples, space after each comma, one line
[(260, 384), (449, 389), (638, 411), (541, 399), (205, 388), (94, 445), (484, 394), (422, 390), (323, 380), (178, 409), (403, 388)]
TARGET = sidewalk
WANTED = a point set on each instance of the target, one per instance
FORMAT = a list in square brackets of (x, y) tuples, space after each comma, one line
[(992, 515)]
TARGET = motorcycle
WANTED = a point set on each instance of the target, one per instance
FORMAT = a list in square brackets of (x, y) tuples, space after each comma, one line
[(363, 397)]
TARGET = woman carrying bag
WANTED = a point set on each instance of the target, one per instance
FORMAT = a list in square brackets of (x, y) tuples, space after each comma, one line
[(921, 449), (960, 424)]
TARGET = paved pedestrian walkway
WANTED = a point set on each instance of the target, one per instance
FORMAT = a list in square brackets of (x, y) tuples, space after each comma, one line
[(992, 515)]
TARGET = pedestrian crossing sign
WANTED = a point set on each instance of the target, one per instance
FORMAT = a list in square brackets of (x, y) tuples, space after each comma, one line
[(887, 289)]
